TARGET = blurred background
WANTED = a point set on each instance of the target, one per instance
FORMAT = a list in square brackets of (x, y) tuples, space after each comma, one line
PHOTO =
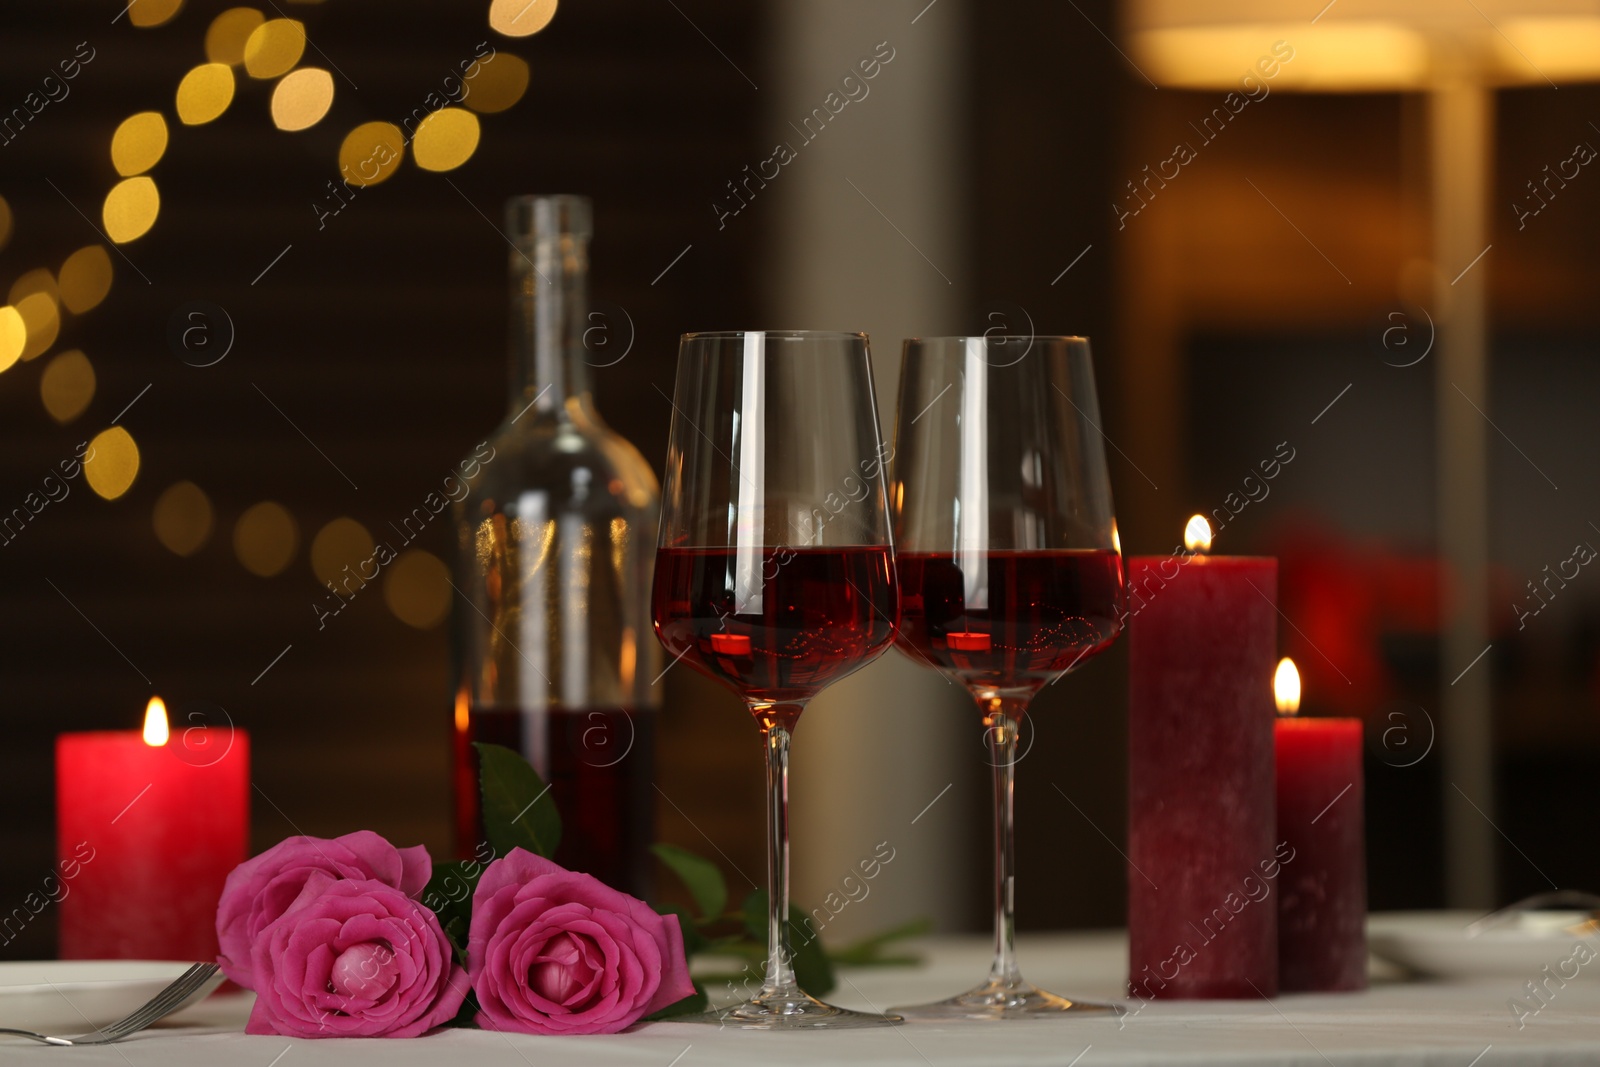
[(1287, 285)]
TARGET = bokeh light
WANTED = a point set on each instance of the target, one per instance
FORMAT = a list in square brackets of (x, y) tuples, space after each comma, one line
[(445, 139), (499, 83), (13, 336), (371, 153), (274, 47), (139, 143), (37, 280), (229, 31), (147, 13), (131, 208), (342, 543), (42, 319), (67, 386), (183, 518), (111, 463), (265, 539), (85, 278), (519, 18), (205, 92), (5, 222), (416, 586), (302, 98)]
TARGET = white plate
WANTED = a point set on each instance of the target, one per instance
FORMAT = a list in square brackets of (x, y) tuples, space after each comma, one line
[(1435, 943), (66, 997)]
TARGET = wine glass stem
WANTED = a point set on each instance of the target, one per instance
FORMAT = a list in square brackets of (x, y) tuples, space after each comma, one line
[(1002, 719), (777, 724)]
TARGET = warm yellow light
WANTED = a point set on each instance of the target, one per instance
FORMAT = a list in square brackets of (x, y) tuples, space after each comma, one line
[(1197, 534), (343, 543), (463, 711), (38, 280), (274, 47), (13, 336), (155, 723), (43, 321), (1561, 49), (1349, 56), (499, 83), (204, 93), (445, 139), (520, 18), (131, 208), (229, 31), (1286, 687), (371, 152), (147, 13), (85, 278), (112, 462), (416, 587), (182, 518), (139, 143), (301, 99), (67, 386), (5, 222), (265, 539), (1116, 539)]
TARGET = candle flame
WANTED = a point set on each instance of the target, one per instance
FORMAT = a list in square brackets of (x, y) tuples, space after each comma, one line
[(1197, 535), (1116, 541), (463, 717), (155, 723), (1286, 687)]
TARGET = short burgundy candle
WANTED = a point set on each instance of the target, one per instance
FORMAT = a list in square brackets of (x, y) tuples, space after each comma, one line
[(1203, 856), (146, 835), (1322, 894)]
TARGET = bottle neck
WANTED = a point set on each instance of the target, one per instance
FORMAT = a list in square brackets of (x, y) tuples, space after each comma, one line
[(549, 305)]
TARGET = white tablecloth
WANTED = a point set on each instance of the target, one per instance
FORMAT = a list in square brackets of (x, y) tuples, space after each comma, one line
[(1432, 1023)]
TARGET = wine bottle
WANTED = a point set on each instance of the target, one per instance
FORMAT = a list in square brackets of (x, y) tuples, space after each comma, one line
[(556, 538)]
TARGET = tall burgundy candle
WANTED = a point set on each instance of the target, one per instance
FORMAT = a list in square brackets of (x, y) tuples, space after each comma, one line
[(1203, 858), (1322, 898)]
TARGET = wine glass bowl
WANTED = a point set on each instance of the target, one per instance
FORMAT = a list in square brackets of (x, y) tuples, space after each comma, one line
[(775, 572), (1009, 567)]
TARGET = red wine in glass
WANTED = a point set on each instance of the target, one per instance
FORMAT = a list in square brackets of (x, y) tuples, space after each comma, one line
[(1042, 613), (820, 613)]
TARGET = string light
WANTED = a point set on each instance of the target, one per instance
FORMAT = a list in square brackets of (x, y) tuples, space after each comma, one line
[(265, 539), (182, 518), (302, 98), (85, 278), (131, 208), (274, 47), (67, 386), (139, 143), (111, 463), (445, 139), (204, 93), (228, 32)]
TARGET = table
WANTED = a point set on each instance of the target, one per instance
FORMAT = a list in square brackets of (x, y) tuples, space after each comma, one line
[(1431, 1023)]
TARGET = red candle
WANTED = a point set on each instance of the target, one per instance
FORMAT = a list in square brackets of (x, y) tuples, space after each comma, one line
[(1203, 858), (148, 831), (1322, 895)]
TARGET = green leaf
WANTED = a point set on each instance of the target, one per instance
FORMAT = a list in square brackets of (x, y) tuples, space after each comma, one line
[(448, 895), (812, 968), (518, 810), (868, 952), (702, 878), (694, 1002)]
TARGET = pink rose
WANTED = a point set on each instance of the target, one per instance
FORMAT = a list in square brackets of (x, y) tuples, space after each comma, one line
[(552, 951), (261, 889), (354, 958)]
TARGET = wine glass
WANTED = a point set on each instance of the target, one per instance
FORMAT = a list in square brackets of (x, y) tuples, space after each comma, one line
[(775, 571), (1010, 571)]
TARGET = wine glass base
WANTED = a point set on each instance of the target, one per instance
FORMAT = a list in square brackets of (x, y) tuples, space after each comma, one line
[(786, 1011), (1005, 1000)]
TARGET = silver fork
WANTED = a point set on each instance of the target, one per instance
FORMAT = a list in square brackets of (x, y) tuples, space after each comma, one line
[(188, 987)]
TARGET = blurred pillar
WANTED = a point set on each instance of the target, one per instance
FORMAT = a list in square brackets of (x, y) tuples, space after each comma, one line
[(1461, 124), (867, 237)]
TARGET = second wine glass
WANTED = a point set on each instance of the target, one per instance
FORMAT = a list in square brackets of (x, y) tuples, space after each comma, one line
[(1010, 572), (775, 574)]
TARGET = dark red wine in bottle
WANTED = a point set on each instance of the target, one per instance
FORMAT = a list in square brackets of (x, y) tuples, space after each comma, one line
[(556, 537), (596, 762), (775, 624), (1009, 619)]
